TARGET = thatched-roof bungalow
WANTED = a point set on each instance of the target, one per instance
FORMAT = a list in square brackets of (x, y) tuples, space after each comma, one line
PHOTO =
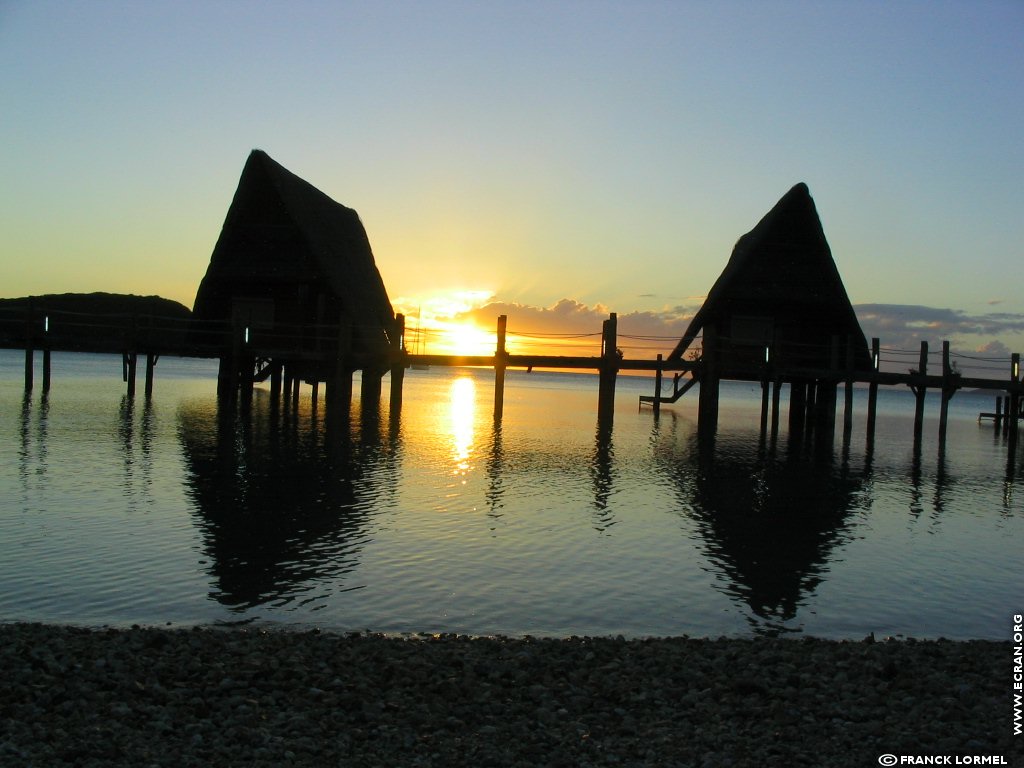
[(779, 312), (291, 263), (781, 285)]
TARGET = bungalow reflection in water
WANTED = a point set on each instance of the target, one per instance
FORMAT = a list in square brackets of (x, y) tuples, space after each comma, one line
[(287, 504)]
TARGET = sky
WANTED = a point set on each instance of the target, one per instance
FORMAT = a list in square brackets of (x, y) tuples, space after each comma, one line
[(553, 161)]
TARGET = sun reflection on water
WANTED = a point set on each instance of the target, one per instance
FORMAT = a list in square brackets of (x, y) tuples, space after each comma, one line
[(462, 413)]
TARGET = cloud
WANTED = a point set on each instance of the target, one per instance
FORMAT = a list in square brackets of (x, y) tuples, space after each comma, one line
[(571, 327), (905, 326), (572, 324)]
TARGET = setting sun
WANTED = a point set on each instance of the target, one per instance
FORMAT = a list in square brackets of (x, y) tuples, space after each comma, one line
[(434, 325), (465, 339)]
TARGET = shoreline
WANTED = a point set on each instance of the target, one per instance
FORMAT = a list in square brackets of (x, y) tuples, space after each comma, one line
[(242, 696)]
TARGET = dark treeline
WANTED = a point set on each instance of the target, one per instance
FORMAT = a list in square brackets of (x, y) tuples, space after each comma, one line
[(94, 322)]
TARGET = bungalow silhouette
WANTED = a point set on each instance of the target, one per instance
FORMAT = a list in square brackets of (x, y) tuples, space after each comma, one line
[(779, 306), (293, 275)]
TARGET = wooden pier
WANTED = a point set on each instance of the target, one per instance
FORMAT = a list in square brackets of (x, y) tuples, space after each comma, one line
[(323, 355)]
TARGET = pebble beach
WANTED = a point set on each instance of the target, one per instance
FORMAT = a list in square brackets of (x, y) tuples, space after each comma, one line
[(210, 696)]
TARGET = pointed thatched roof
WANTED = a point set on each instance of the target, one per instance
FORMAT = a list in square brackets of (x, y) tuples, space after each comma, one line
[(283, 239), (783, 270)]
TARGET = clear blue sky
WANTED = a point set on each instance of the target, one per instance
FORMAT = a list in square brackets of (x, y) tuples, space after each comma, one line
[(608, 153)]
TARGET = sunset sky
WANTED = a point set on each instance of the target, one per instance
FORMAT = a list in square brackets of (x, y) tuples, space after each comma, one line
[(553, 161)]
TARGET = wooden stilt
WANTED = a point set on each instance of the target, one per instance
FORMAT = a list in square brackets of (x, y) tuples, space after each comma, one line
[(707, 401), (919, 392), (656, 405), (765, 387), (369, 388), (397, 363), (151, 359), (1013, 407), (275, 383), (30, 362), (948, 390), (848, 394), (500, 358), (776, 394), (130, 361), (339, 388), (46, 369), (797, 407), (811, 410), (873, 392), (609, 367)]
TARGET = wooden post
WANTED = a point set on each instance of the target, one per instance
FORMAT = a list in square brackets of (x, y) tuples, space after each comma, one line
[(920, 393), (1013, 410), (46, 368), (130, 361), (150, 366), (397, 363), (707, 401), (825, 401), (656, 405), (873, 392), (246, 366), (275, 383), (500, 359), (812, 404), (797, 408), (848, 393), (369, 388), (776, 394), (609, 368), (947, 394), (339, 389), (30, 363), (765, 389)]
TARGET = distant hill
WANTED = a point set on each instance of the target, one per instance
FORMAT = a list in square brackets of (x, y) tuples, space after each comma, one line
[(95, 322)]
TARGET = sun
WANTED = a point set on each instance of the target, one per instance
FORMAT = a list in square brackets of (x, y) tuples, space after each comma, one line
[(466, 339)]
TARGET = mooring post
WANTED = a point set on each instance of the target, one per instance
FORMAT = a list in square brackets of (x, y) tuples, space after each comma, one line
[(609, 367), (397, 363), (920, 391), (707, 400), (656, 405), (500, 360)]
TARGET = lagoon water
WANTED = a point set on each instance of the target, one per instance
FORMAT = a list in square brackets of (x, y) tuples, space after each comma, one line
[(437, 519)]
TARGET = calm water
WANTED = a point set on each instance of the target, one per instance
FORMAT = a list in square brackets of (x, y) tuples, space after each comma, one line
[(438, 520)]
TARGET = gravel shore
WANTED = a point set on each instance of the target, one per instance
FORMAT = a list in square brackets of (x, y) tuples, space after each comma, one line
[(164, 697)]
